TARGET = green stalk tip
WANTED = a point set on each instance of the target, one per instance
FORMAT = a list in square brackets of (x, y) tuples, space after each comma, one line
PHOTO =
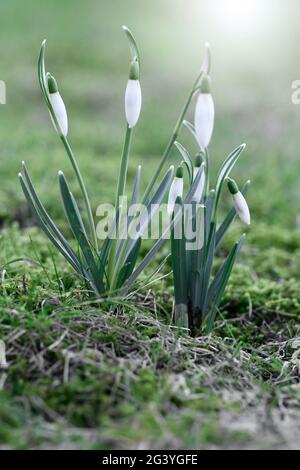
[(134, 71), (52, 84), (198, 160), (43, 45), (232, 186), (179, 201), (205, 86), (207, 59), (179, 172)]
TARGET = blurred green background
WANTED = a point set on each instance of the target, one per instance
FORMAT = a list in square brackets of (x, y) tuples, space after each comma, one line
[(140, 392), (255, 59)]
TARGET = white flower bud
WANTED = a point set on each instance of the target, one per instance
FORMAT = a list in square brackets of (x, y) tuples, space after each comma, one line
[(241, 207), (239, 202), (176, 190), (60, 112), (204, 114), (58, 106), (133, 102)]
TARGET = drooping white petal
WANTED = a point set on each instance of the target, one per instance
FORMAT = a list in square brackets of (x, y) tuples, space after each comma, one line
[(241, 208), (204, 118), (60, 112), (176, 190), (133, 102), (200, 188)]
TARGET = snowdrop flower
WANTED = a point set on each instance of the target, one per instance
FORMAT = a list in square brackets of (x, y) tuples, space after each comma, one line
[(133, 95), (199, 191), (58, 107), (239, 202), (176, 190), (204, 113)]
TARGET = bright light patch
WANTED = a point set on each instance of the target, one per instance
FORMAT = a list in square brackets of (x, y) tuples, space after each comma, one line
[(240, 16)]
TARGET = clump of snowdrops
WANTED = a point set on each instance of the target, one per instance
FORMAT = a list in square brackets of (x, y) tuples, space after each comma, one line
[(196, 236), (113, 268)]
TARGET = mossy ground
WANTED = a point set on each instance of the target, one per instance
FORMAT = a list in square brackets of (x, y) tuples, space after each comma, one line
[(93, 375), (83, 374)]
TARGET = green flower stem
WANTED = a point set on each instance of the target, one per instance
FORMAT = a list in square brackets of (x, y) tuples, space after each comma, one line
[(120, 192), (172, 140), (83, 190), (206, 157), (124, 166)]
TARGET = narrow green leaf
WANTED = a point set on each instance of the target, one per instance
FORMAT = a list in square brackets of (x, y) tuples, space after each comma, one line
[(136, 186), (208, 266), (44, 227), (228, 165), (189, 126), (190, 195), (187, 159), (178, 249), (226, 169), (181, 316), (132, 44), (42, 72), (101, 268), (129, 264), (47, 219), (42, 76), (78, 214), (209, 204), (219, 284), (197, 263), (76, 226)]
